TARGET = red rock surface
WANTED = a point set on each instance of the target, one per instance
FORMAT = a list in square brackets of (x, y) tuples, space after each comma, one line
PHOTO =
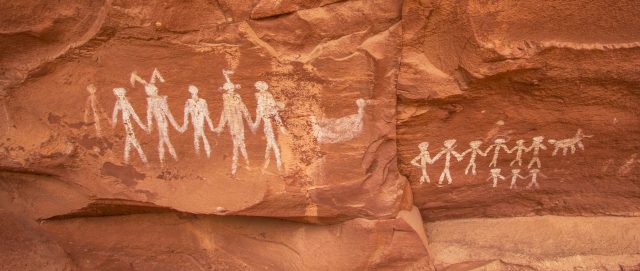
[(347, 196)]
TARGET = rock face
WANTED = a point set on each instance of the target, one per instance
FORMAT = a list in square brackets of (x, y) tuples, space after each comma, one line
[(284, 135)]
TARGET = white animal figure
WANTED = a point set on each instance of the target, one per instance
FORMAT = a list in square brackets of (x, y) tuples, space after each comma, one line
[(122, 104), (533, 173), (92, 108), (474, 151), (497, 145), (536, 145), (519, 149), (495, 175), (340, 129), (422, 160), (447, 151), (197, 108), (515, 174), (266, 110), (158, 109), (571, 143), (233, 113)]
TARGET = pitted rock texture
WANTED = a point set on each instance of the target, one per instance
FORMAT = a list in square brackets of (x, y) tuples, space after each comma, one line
[(348, 196)]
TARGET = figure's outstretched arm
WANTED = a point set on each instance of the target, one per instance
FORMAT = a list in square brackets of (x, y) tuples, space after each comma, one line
[(501, 177), (185, 119), (435, 158), (114, 116), (488, 149), (206, 115), (245, 113), (167, 113), (137, 119), (222, 122), (415, 161), (506, 149), (462, 155), (479, 151), (457, 155), (542, 146), (259, 114), (149, 117)]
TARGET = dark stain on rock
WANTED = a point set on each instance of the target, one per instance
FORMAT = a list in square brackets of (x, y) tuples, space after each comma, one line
[(126, 173), (54, 119)]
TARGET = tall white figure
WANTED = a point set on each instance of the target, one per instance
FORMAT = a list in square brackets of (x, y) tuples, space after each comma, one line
[(340, 129), (495, 176), (197, 108), (123, 105), (422, 160), (234, 111), (474, 152), (158, 110), (519, 149), (536, 145), (515, 174), (266, 110), (447, 151), (533, 173), (498, 144), (569, 143)]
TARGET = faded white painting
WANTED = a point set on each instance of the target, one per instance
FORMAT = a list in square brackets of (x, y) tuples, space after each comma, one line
[(339, 129), (267, 110), (197, 110), (123, 107)]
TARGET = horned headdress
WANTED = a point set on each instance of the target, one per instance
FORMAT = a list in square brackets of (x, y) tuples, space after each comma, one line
[(150, 86), (228, 84)]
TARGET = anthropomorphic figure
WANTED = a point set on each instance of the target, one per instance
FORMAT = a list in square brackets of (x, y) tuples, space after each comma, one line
[(533, 173), (519, 149), (92, 108), (495, 176), (339, 129), (123, 105), (536, 146), (234, 113), (515, 174), (474, 152), (197, 108), (422, 160), (569, 143), (498, 144), (158, 110), (266, 110), (447, 151)]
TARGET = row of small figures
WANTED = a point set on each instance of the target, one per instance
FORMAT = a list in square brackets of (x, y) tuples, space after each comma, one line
[(495, 176)]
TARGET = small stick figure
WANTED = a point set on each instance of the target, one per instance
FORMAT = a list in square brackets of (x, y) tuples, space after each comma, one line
[(533, 173), (474, 150), (199, 111), (447, 150), (519, 149), (497, 145), (515, 174), (92, 108), (536, 145), (571, 143), (495, 175), (266, 110), (122, 104), (424, 157)]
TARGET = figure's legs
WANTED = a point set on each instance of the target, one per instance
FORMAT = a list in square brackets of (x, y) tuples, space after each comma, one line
[(466, 170), (494, 161), (473, 168), (196, 142), (136, 145), (267, 157), (234, 159), (513, 162), (243, 150), (172, 151), (580, 145), (276, 153), (205, 142), (495, 182), (573, 149), (161, 151), (449, 180), (564, 151), (441, 177), (555, 151), (425, 176), (513, 184), (534, 160), (127, 148)]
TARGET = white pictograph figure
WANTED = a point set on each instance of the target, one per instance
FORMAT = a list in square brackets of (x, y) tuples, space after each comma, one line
[(340, 129), (266, 110), (519, 149), (497, 145), (422, 160), (569, 143), (92, 108), (447, 151), (515, 174), (122, 104), (233, 113), (158, 109), (495, 176), (474, 151), (533, 173), (197, 108), (536, 145)]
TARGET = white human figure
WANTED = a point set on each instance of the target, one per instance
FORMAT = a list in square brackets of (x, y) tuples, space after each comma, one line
[(233, 113), (536, 145), (158, 109), (495, 175), (519, 149), (533, 173), (92, 108), (122, 104), (497, 145), (197, 108), (447, 151), (475, 151), (340, 129), (515, 174), (266, 110), (421, 161), (571, 143)]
